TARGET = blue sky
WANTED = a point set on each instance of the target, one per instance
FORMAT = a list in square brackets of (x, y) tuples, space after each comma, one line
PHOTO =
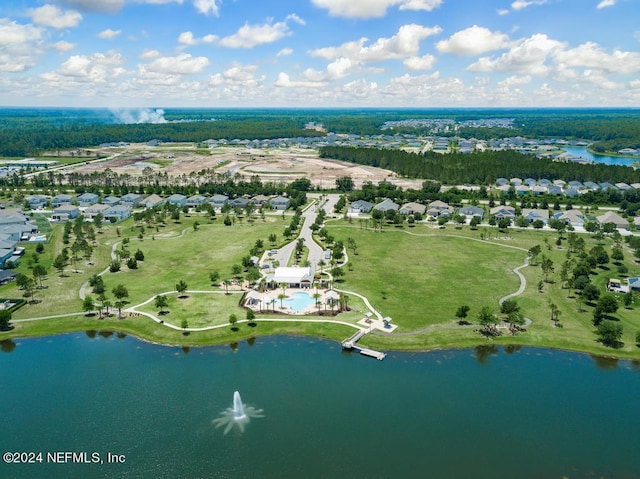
[(320, 53)]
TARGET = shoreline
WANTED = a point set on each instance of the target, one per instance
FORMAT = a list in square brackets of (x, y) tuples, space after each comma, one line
[(244, 334)]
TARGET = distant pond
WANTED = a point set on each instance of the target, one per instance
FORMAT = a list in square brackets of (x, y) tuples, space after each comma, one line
[(607, 160), (478, 413)]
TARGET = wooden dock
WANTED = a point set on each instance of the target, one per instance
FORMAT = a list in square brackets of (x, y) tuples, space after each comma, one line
[(352, 343)]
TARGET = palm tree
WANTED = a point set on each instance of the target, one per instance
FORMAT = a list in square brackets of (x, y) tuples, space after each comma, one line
[(317, 297), (281, 296), (226, 283)]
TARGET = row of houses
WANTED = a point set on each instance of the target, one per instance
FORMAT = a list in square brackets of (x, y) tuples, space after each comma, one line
[(113, 208), (440, 209), (543, 186), (14, 227)]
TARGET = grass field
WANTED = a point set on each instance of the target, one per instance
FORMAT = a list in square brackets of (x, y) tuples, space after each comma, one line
[(419, 279)]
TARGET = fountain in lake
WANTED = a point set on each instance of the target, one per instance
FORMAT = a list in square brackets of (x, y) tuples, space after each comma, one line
[(238, 415)]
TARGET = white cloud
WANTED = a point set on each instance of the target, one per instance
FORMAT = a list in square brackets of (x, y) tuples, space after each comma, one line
[(606, 3), (149, 54), (249, 36), (108, 34), (424, 62), (285, 52), (527, 57), (405, 44), (515, 80), (187, 38), (238, 76), (592, 55), (96, 6), (284, 81), (473, 41), (52, 16), (96, 68), (12, 33), (20, 46), (63, 46), (207, 7), (373, 8), (521, 4), (182, 64)]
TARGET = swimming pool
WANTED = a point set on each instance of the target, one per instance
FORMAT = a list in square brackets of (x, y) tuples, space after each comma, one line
[(300, 301)]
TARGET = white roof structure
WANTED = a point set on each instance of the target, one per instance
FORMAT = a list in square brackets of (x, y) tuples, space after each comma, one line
[(293, 275)]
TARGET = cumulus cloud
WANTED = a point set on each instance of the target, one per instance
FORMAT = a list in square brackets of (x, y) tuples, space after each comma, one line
[(55, 17), (424, 62), (208, 7), (188, 39), (238, 76), (20, 46), (182, 64), (473, 41), (63, 46), (108, 34), (404, 44), (521, 4), (249, 36), (373, 8), (285, 52), (592, 55), (96, 6), (284, 81), (527, 57), (606, 3), (98, 67)]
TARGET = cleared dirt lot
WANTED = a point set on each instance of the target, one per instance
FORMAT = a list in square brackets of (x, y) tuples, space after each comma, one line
[(270, 165)]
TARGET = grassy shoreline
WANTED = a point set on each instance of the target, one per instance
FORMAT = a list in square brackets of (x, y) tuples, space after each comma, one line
[(420, 291)]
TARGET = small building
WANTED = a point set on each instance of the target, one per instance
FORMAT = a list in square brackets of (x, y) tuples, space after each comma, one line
[(37, 202), (151, 201), (472, 211), (260, 200), (570, 217), (279, 203), (94, 210), (110, 200), (615, 218), (292, 277), (177, 200), (87, 199), (61, 200), (360, 206), (195, 201), (532, 215), (65, 213), (117, 213), (239, 202), (218, 201), (131, 200), (412, 208), (503, 212), (439, 208)]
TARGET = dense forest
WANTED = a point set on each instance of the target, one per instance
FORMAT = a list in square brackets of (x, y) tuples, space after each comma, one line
[(479, 168), (29, 132)]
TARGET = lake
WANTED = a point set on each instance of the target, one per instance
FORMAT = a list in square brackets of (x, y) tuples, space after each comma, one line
[(480, 413), (607, 160)]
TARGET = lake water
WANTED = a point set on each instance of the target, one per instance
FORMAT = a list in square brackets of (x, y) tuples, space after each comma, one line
[(607, 160), (479, 413)]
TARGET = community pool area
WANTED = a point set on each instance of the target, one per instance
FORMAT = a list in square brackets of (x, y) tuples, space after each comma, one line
[(299, 301)]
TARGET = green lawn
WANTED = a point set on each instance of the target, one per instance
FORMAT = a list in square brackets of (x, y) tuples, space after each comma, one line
[(419, 279)]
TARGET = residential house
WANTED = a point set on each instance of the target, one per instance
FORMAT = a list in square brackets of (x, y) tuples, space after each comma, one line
[(239, 202), (590, 185), (544, 182), (360, 206), (195, 201), (412, 208), (515, 181), (532, 215), (502, 181), (117, 213), (61, 200), (530, 182), (636, 222), (110, 200), (279, 203), (576, 184), (571, 217), (37, 202), (65, 213), (152, 201), (539, 190), (386, 205), (131, 200), (218, 201), (94, 210), (606, 186), (260, 200), (522, 190), (571, 193), (87, 199), (634, 284), (554, 190), (471, 211), (177, 199), (503, 212), (615, 218), (623, 186), (439, 208)]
